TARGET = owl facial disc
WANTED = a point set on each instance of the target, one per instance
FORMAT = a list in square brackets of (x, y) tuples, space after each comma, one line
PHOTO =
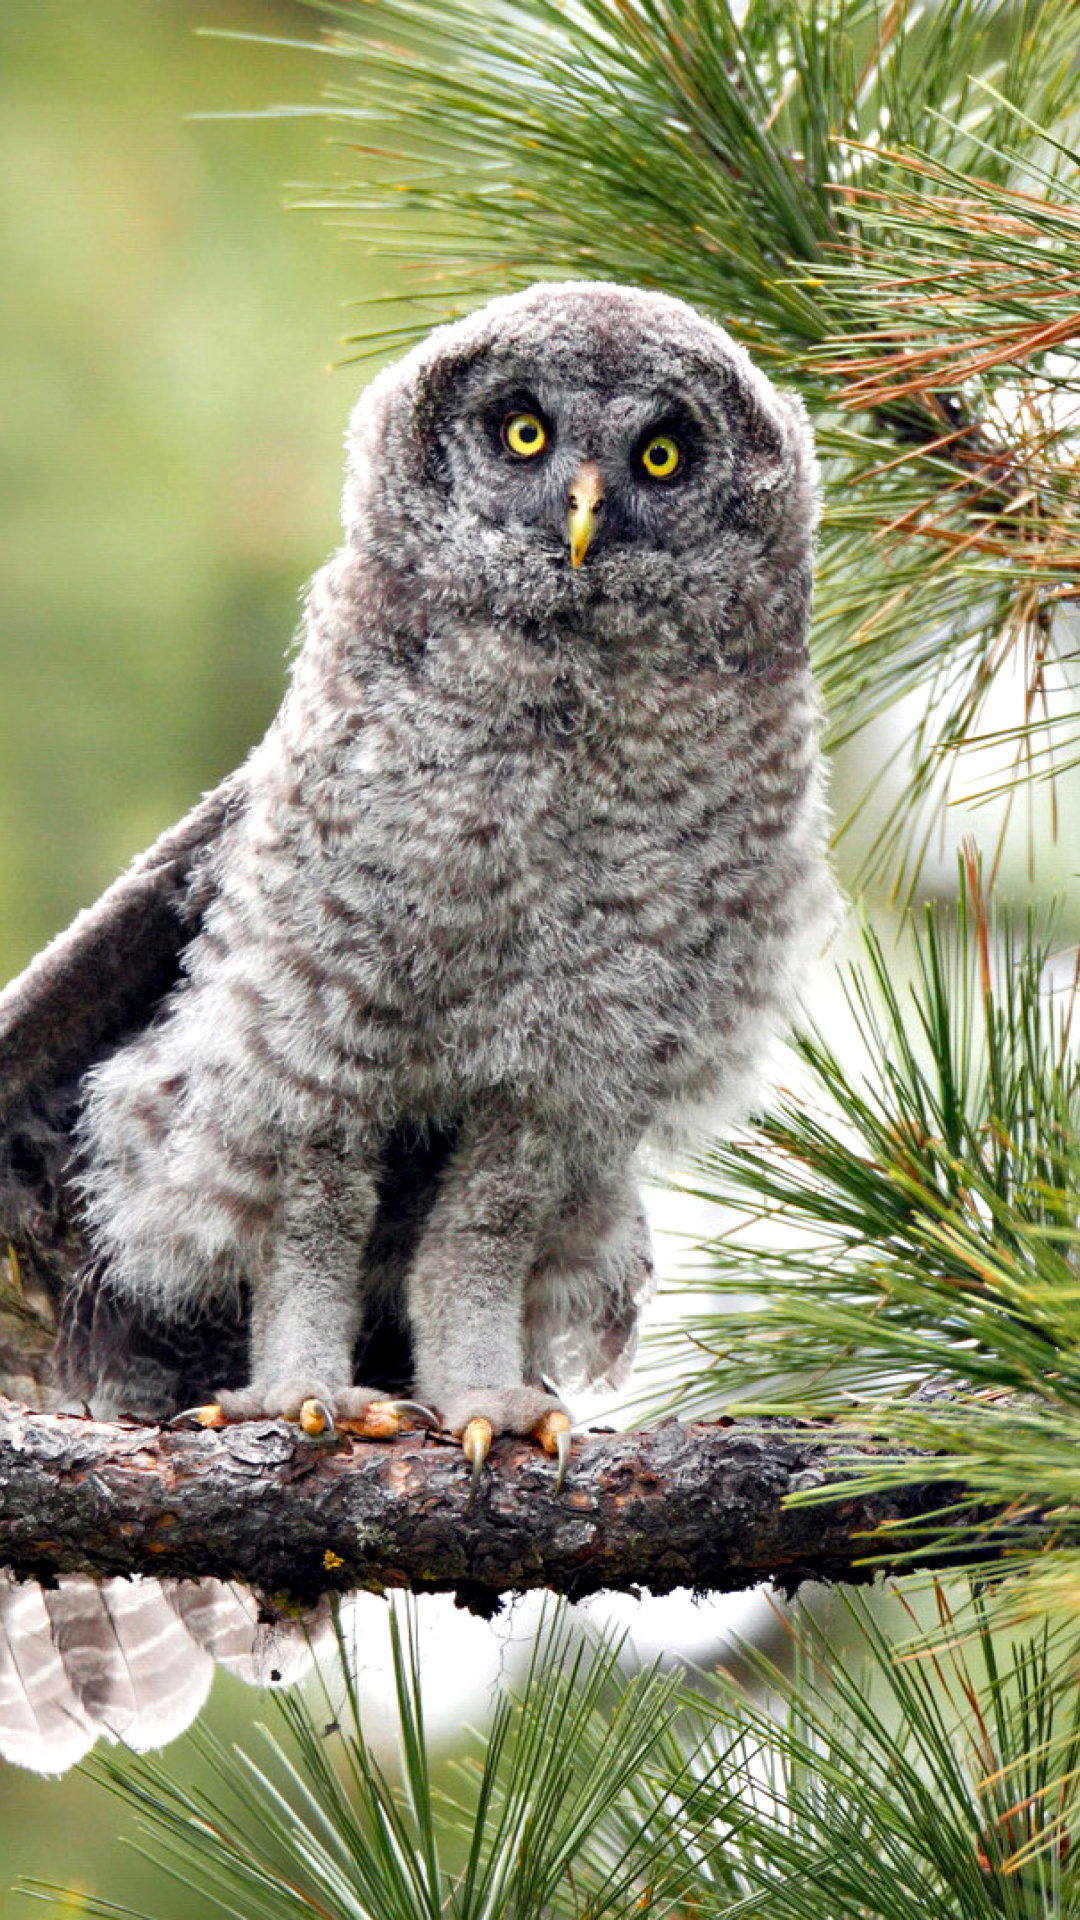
[(585, 500)]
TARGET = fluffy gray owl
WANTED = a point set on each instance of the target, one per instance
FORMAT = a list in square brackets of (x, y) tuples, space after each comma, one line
[(338, 1092)]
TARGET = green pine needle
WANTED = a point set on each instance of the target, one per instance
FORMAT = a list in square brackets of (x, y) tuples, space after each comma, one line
[(846, 1781), (945, 1782), (905, 1246), (533, 1821)]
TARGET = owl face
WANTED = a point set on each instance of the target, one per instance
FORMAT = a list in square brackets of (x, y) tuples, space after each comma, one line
[(581, 468), (574, 446)]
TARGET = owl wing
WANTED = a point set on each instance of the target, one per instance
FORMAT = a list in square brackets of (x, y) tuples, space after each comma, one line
[(81, 996), (98, 980)]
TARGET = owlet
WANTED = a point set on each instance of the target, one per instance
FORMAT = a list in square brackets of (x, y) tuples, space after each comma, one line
[(337, 1094)]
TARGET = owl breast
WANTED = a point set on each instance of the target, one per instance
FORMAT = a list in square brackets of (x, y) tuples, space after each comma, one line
[(565, 895)]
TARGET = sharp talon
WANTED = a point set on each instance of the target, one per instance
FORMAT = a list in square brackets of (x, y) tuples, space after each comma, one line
[(316, 1418), (382, 1419), (562, 1445), (553, 1434), (423, 1414), (210, 1416), (476, 1444)]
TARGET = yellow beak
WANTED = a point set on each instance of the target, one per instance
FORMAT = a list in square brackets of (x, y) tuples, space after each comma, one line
[(585, 499)]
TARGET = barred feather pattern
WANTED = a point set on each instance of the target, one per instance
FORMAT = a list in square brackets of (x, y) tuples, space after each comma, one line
[(132, 1660)]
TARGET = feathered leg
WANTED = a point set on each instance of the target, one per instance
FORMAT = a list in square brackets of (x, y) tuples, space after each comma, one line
[(467, 1285), (306, 1300)]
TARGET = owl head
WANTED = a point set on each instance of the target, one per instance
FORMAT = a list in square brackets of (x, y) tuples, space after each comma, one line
[(579, 449)]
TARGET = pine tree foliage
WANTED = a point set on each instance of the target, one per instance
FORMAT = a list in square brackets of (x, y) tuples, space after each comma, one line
[(944, 1782), (843, 1782), (905, 1241), (581, 1798)]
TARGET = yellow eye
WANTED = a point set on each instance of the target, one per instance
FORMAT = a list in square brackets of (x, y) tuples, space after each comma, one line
[(661, 457), (524, 434)]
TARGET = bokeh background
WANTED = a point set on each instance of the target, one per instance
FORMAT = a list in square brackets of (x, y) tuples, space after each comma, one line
[(170, 432), (170, 425)]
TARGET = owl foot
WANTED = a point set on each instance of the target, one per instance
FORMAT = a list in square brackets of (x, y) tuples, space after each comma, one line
[(552, 1432), (383, 1419), (317, 1411), (207, 1416), (478, 1416)]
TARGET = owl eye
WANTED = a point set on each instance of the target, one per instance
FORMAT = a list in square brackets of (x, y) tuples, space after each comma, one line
[(660, 456), (524, 434)]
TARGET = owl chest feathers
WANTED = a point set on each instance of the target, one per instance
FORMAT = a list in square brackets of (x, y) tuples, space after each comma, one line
[(514, 873)]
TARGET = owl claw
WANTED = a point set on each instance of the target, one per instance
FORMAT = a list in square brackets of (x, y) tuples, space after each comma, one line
[(553, 1434), (476, 1445), (424, 1414), (562, 1447), (379, 1420), (208, 1416), (316, 1419)]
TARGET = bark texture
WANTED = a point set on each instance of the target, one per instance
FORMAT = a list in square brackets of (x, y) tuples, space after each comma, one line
[(680, 1506)]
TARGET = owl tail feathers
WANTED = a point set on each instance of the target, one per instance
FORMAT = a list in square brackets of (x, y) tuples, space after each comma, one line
[(130, 1660)]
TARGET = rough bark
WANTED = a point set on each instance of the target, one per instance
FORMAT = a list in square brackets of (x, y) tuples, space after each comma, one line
[(681, 1506)]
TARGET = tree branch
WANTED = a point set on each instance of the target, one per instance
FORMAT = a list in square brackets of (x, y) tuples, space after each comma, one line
[(681, 1506)]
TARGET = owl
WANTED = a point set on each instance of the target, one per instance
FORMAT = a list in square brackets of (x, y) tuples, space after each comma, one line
[(340, 1093)]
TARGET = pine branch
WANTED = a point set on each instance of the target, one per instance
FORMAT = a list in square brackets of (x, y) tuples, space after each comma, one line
[(703, 1507)]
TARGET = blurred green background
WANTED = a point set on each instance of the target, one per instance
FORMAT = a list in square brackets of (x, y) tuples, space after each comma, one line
[(170, 436), (170, 428)]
